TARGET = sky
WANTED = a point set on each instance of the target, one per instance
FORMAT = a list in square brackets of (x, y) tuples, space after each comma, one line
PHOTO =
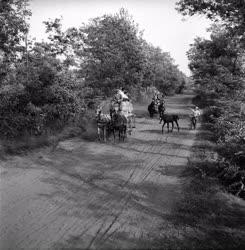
[(163, 26)]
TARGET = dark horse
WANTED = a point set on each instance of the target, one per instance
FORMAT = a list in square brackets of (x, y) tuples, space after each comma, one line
[(152, 108), (119, 123), (169, 118), (161, 109)]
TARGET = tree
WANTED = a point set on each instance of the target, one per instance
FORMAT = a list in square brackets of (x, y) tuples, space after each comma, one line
[(160, 70), (14, 27), (217, 64), (218, 68), (231, 12), (112, 53), (13, 15)]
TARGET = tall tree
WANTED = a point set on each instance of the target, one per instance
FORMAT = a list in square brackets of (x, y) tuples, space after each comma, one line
[(13, 31), (161, 71), (217, 64), (13, 23), (112, 53)]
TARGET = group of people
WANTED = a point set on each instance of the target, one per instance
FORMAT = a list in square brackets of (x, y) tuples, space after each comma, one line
[(121, 105), (158, 100)]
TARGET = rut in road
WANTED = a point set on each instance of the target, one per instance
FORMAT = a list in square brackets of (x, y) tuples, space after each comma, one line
[(94, 195)]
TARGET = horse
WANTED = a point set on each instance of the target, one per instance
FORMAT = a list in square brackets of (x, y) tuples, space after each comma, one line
[(169, 118), (125, 109), (103, 125), (151, 109), (161, 109), (119, 123), (155, 108)]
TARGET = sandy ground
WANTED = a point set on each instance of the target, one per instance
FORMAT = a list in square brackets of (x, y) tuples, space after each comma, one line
[(91, 195)]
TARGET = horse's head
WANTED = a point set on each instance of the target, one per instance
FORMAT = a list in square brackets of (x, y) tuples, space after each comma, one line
[(119, 119)]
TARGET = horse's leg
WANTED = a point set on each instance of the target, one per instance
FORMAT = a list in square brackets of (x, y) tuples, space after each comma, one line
[(163, 126), (130, 125), (177, 125), (168, 126), (104, 132), (134, 121), (123, 135), (125, 131), (172, 126), (160, 119), (120, 133), (114, 136)]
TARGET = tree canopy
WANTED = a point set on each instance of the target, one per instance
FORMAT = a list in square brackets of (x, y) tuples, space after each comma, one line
[(230, 12), (51, 79)]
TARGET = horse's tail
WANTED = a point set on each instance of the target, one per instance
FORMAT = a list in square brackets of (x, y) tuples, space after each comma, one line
[(176, 117)]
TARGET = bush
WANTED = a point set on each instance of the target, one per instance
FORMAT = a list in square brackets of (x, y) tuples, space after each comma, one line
[(228, 125)]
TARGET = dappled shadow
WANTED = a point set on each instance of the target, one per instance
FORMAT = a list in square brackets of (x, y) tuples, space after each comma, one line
[(218, 221)]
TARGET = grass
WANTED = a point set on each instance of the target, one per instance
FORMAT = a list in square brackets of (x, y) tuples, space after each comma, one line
[(85, 128), (207, 216)]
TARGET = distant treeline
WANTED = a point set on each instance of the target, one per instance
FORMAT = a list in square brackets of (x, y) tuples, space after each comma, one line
[(48, 84)]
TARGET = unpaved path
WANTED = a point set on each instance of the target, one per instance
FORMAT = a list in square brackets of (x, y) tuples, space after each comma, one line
[(94, 195)]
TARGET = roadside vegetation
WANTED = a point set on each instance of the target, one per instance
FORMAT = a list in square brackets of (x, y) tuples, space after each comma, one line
[(218, 69), (54, 85)]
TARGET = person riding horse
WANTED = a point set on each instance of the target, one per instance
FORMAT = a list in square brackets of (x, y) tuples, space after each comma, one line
[(157, 105)]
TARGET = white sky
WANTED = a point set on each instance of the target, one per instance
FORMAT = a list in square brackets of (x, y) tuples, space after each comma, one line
[(163, 26)]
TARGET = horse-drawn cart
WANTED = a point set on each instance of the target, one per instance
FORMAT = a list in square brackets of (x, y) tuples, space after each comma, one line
[(117, 116)]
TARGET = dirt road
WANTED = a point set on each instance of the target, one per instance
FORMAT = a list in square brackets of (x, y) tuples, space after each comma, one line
[(93, 195)]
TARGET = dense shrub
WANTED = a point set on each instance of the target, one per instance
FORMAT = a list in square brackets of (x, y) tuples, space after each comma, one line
[(44, 100)]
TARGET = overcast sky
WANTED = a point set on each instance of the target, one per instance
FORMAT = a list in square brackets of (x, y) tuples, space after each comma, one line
[(163, 26)]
